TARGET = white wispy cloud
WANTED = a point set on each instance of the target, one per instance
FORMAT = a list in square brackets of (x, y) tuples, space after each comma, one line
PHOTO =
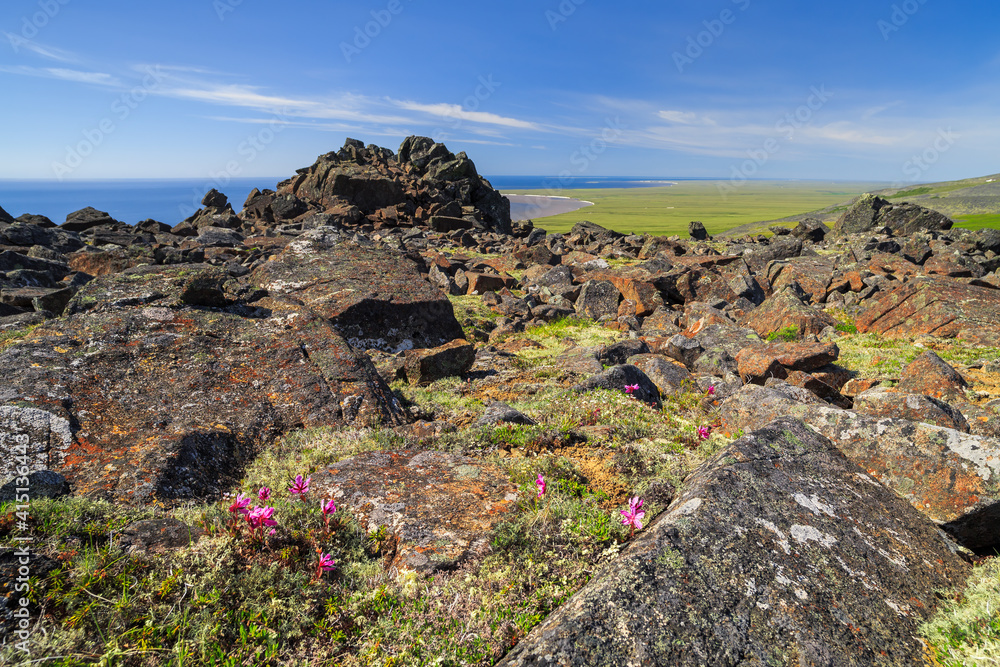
[(18, 42), (685, 118), (76, 76), (456, 112)]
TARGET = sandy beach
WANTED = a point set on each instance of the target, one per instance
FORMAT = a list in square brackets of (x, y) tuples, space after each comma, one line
[(529, 207)]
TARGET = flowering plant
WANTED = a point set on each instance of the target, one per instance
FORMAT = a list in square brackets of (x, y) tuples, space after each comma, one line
[(704, 432), (633, 515), (631, 388), (540, 483), (300, 487)]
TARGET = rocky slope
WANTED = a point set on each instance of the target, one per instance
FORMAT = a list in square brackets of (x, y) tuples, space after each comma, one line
[(154, 364)]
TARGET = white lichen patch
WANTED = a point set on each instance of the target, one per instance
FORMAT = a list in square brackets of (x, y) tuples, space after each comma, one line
[(865, 478), (903, 610), (974, 449), (689, 507), (781, 578), (801, 594), (751, 588), (814, 504), (806, 534), (782, 538)]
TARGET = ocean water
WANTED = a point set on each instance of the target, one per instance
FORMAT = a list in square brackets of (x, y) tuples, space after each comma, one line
[(172, 200)]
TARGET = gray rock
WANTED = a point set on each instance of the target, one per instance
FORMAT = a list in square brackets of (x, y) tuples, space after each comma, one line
[(39, 436), (697, 232), (779, 552), (668, 376), (598, 298), (618, 353), (41, 484), (498, 412), (619, 377)]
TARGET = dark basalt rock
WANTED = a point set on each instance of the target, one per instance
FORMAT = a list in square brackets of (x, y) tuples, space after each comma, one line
[(779, 551)]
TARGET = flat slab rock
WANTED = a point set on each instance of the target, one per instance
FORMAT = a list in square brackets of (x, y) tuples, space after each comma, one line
[(375, 298), (936, 306), (779, 552), (441, 507)]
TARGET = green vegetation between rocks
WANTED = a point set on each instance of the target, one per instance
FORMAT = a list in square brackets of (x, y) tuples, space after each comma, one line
[(965, 630), (231, 600)]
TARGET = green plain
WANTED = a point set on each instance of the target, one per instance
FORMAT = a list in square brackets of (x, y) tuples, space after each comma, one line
[(719, 205)]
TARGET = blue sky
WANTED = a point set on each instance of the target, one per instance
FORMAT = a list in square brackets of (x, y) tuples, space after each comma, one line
[(849, 90)]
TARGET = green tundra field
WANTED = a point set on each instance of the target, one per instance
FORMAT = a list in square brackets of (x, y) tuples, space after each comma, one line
[(723, 206)]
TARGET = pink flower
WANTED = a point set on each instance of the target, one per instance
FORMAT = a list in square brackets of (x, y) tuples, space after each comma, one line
[(711, 390), (300, 486), (240, 504), (540, 483), (704, 432), (634, 514), (630, 388), (259, 517), (264, 494), (327, 507), (325, 564)]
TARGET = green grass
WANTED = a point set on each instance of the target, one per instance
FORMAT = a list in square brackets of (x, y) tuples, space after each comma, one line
[(984, 221), (668, 210), (965, 630), (880, 357)]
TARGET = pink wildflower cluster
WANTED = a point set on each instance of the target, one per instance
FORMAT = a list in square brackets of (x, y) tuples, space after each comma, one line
[(631, 389), (540, 483), (325, 563), (257, 518), (634, 514), (704, 432)]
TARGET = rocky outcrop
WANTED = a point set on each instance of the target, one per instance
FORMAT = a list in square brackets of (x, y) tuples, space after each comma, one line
[(424, 180), (779, 551), (169, 383), (935, 306), (870, 212)]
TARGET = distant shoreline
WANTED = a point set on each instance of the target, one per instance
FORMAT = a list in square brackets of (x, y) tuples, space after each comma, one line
[(529, 207)]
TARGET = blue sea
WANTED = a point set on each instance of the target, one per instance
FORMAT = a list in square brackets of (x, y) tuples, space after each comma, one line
[(172, 200)]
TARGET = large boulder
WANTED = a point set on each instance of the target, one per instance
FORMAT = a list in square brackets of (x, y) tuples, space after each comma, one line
[(952, 477), (780, 551), (870, 212), (159, 383), (376, 298), (937, 306), (425, 179)]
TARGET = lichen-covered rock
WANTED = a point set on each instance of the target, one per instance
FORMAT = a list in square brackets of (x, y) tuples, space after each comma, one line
[(440, 508), (785, 309), (669, 376), (157, 536), (936, 306), (377, 299), (779, 551), (951, 477), (620, 378), (144, 392), (881, 402), (425, 366), (931, 375)]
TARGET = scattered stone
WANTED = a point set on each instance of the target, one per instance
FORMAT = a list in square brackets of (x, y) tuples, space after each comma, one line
[(617, 378), (881, 402), (426, 365), (154, 537), (498, 412), (40, 484)]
